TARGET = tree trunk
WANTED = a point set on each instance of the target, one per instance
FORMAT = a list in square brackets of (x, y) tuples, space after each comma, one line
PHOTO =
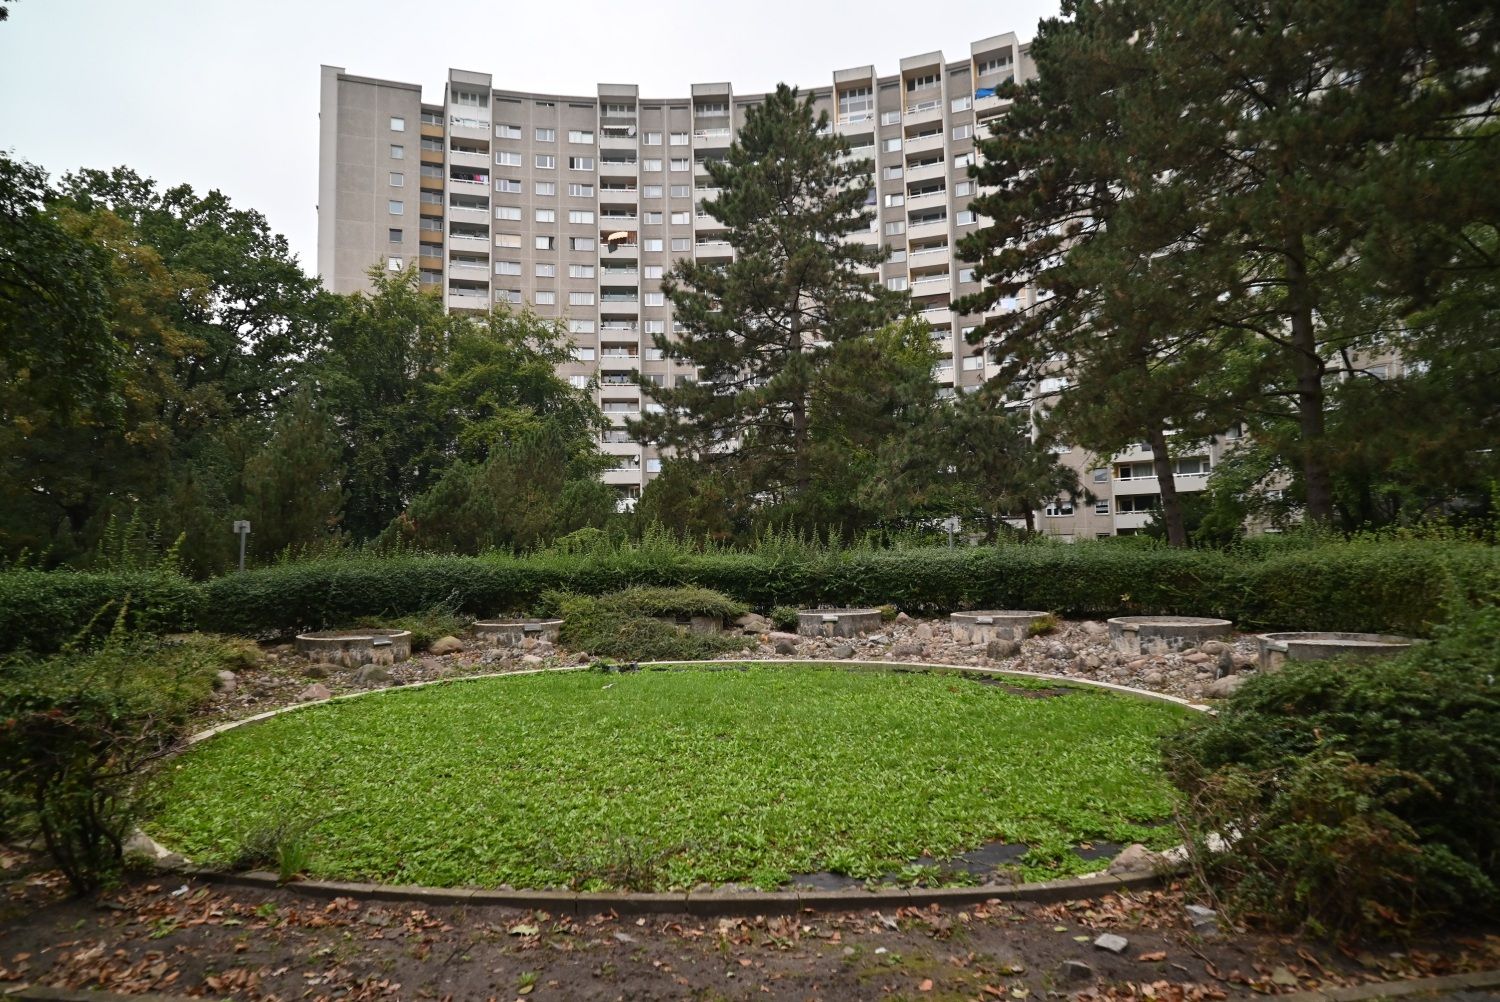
[(1166, 480), (1308, 365)]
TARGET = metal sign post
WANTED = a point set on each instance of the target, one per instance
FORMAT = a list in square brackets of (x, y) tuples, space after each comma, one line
[(242, 529)]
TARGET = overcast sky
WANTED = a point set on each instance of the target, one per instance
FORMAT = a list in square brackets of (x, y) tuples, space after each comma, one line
[(225, 95)]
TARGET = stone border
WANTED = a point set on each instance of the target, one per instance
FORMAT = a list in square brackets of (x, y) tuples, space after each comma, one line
[(1398, 989), (703, 903)]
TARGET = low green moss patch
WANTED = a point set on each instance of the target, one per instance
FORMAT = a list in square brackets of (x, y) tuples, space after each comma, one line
[(667, 778)]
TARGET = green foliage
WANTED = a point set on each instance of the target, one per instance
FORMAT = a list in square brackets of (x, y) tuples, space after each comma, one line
[(441, 619), (1362, 793), (630, 625), (675, 602), (658, 779), (1042, 626), (76, 731), (784, 617), (40, 611)]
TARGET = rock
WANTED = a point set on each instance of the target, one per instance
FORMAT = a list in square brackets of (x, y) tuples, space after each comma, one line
[(1092, 661), (902, 617), (1226, 663), (1204, 920), (226, 681), (1197, 658), (530, 660), (495, 654), (1059, 652), (1075, 971), (1095, 629), (752, 622), (843, 652), (923, 631), (315, 671), (1223, 688), (778, 635), (784, 646), (283, 649), (1153, 678), (371, 675), (141, 844), (906, 649), (1111, 942), (878, 638), (999, 650), (1134, 858), (313, 693), (1138, 663), (1214, 647), (445, 645)]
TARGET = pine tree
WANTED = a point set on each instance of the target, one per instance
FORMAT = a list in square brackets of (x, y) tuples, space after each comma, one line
[(293, 486), (762, 328)]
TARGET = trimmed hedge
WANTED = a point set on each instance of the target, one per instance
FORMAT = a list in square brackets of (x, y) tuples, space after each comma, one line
[(1401, 587)]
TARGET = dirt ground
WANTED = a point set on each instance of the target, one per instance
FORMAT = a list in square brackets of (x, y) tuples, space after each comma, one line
[(205, 940)]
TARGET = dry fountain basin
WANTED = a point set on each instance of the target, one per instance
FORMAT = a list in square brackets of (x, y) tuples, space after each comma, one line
[(837, 622), (353, 648), (516, 632), (1160, 634), (982, 627), (1276, 649)]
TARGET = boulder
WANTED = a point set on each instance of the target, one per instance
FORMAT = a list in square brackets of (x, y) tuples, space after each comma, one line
[(1059, 652), (1095, 630), (1075, 971), (843, 652), (1223, 688), (1197, 658), (315, 671), (1214, 647), (999, 650), (1112, 942), (902, 617), (906, 649), (446, 645), (923, 631), (226, 681), (785, 647), (313, 693), (1134, 858), (752, 622), (1153, 678), (371, 675), (530, 660)]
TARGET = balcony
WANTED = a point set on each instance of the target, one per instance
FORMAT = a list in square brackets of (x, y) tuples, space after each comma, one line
[(619, 196), (926, 227), (927, 170), (617, 137), (464, 213), (930, 253), (927, 196), (921, 112), (469, 242), (924, 143), (630, 326), (613, 167), (931, 283), (618, 355), (618, 220), (468, 126), (468, 300), (713, 138), (469, 158)]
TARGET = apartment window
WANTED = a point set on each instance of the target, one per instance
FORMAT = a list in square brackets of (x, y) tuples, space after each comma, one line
[(892, 145), (650, 166), (651, 271), (682, 191), (966, 216), (651, 191), (397, 179), (546, 135), (469, 99), (546, 298), (961, 103), (507, 212), (653, 218), (581, 190), (896, 228), (652, 139), (890, 118), (963, 161), (679, 139), (546, 104), (654, 299), (896, 284), (545, 243), (682, 244), (1191, 466), (511, 296), (398, 152), (393, 236), (651, 244), (1101, 507), (654, 327), (681, 218), (618, 110), (580, 271), (922, 82), (897, 255), (581, 299), (1100, 476), (508, 158), (581, 243), (1137, 504), (394, 264), (578, 382), (546, 215), (994, 65), (963, 189), (545, 188), (508, 240), (507, 132), (680, 163), (1053, 384), (508, 186), (545, 271), (580, 216), (395, 207), (507, 267), (398, 124), (581, 136), (580, 327), (973, 363), (653, 466), (545, 161), (894, 200), (963, 132), (583, 354), (580, 163), (1058, 509), (892, 173)]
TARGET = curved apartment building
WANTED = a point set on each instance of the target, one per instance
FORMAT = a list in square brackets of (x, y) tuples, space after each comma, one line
[(578, 204)]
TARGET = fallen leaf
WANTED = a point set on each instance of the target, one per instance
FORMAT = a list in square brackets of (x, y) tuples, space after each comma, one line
[(1153, 956), (925, 986)]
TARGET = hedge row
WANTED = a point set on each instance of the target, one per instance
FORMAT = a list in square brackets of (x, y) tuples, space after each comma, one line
[(1403, 587)]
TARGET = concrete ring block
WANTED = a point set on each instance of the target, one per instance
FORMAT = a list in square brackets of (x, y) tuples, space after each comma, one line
[(1276, 649), (1160, 634), (515, 632), (983, 626), (353, 648), (837, 622)]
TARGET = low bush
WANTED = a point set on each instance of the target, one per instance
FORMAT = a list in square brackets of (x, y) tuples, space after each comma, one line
[(784, 617), (1361, 795), (442, 619), (663, 602), (40, 611), (619, 625)]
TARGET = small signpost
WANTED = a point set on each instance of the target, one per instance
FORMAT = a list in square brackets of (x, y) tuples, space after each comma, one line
[(242, 529), (953, 525)]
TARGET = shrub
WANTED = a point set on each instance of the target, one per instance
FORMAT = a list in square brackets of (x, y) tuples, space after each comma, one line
[(887, 613), (40, 611), (1361, 793), (441, 619), (645, 601), (616, 626), (77, 729), (784, 617), (1042, 625)]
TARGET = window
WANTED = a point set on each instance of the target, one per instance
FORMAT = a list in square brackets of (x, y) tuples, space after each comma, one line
[(892, 173), (651, 271), (511, 296), (545, 243), (652, 139), (580, 327), (1191, 466), (963, 132), (546, 104), (581, 190), (393, 235), (580, 271), (546, 298), (922, 82), (963, 161), (966, 216), (682, 218), (651, 244), (650, 166), (994, 65), (394, 264), (963, 188), (897, 256), (398, 124), (651, 191), (895, 228), (546, 215), (545, 188), (895, 284), (581, 136), (654, 327), (580, 163), (508, 158), (546, 135), (679, 139), (507, 267), (508, 186), (618, 110), (973, 363), (1059, 508), (583, 354), (892, 145), (507, 132), (581, 299), (682, 191), (1100, 476), (893, 200), (966, 274), (961, 103), (546, 271), (654, 299), (890, 118), (1052, 384), (395, 207), (508, 240), (653, 466), (581, 243), (580, 216), (1101, 507), (398, 152), (682, 244), (469, 99), (507, 212), (545, 161), (1137, 504), (679, 163), (653, 217), (397, 179)]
